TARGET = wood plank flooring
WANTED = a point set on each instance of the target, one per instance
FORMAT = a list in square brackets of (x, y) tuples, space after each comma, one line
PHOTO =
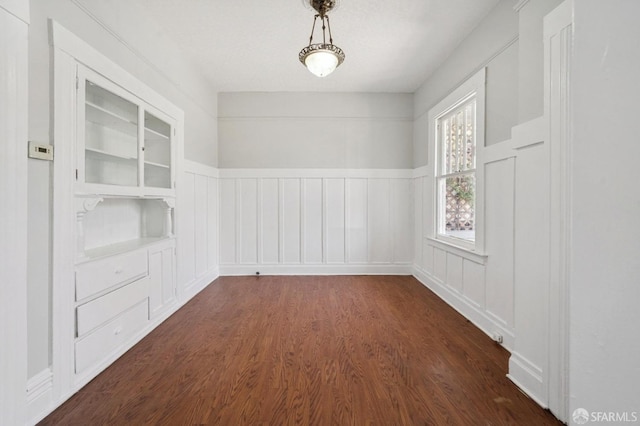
[(352, 350)]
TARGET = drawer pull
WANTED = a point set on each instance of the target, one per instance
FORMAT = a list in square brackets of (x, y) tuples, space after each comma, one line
[(117, 331)]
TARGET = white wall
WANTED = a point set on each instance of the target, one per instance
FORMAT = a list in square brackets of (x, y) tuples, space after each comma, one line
[(315, 130), (530, 58), (605, 202), (137, 45), (14, 28)]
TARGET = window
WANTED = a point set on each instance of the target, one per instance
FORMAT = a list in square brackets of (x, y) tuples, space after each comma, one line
[(456, 172), (455, 143)]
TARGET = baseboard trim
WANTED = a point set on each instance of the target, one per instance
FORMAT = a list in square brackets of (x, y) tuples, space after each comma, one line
[(320, 269), (528, 377), (479, 318), (39, 396)]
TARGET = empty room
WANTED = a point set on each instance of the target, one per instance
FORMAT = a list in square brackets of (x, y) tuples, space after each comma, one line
[(319, 212)]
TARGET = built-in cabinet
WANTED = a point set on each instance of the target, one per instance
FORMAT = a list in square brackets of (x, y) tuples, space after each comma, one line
[(115, 225), (124, 196), (125, 145)]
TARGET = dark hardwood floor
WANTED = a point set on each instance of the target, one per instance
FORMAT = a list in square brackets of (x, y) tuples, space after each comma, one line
[(352, 350)]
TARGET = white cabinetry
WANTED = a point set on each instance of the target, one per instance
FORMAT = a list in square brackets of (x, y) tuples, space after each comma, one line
[(125, 144), (118, 152), (124, 202), (162, 290)]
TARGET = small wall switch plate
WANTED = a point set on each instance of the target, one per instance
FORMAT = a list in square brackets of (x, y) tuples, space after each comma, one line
[(40, 151)]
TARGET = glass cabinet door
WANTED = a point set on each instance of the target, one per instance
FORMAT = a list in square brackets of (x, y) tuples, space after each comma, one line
[(111, 138), (157, 152)]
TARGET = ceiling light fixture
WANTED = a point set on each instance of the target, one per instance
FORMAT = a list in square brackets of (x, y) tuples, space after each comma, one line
[(321, 58)]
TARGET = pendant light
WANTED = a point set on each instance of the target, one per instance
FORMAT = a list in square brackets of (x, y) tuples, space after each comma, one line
[(321, 58)]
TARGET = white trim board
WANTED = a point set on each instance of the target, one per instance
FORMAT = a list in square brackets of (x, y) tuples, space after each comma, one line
[(345, 269), (200, 169), (39, 396), (528, 377), (316, 173)]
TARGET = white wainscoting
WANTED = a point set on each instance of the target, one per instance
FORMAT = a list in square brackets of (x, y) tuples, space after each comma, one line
[(528, 364), (197, 228), (504, 290), (311, 221), (480, 287)]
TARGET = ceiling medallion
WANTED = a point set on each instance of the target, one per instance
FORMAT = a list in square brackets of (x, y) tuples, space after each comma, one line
[(321, 58)]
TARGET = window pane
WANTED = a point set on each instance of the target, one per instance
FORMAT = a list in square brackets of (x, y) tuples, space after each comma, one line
[(459, 207), (445, 150), (470, 136), (458, 139)]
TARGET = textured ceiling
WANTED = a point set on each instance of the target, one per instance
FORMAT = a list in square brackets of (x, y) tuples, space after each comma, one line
[(252, 45)]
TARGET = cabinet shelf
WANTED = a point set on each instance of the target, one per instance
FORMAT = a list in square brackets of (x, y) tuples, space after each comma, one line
[(151, 135), (122, 247), (104, 117), (99, 154), (158, 165), (127, 146)]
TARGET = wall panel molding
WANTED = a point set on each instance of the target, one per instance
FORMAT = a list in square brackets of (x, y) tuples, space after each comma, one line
[(317, 223), (482, 286), (197, 228)]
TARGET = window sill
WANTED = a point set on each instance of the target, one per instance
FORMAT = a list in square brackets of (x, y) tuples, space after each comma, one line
[(472, 255)]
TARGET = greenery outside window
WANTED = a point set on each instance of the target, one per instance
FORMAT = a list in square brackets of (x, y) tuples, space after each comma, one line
[(456, 172), (456, 142)]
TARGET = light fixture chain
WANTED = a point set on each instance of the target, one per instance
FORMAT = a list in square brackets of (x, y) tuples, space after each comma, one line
[(313, 28), (324, 40), (328, 26)]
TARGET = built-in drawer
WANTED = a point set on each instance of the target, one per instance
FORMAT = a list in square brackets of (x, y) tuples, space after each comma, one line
[(104, 341), (104, 308), (94, 277)]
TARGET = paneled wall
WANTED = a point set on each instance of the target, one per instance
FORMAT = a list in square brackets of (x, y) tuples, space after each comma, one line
[(503, 290), (197, 228), (315, 221)]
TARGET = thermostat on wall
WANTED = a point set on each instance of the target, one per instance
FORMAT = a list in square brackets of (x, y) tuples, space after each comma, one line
[(40, 151)]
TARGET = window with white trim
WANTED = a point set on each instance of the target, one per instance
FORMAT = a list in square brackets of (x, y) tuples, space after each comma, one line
[(456, 172), (455, 143)]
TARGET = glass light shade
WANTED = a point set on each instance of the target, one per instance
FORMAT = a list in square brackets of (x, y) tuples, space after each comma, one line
[(321, 62)]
